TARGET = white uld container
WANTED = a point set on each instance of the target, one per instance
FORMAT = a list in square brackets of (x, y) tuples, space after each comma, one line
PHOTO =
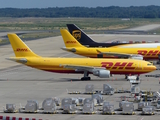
[(143, 104), (148, 110), (49, 105), (99, 98), (89, 88), (66, 101), (107, 89), (90, 100), (128, 107), (10, 108), (69, 108), (88, 108), (107, 108), (31, 106)]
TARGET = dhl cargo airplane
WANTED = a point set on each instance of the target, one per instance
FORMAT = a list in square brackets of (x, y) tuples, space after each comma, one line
[(98, 67), (146, 51)]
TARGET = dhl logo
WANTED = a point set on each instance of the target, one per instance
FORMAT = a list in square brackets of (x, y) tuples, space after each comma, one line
[(119, 65), (22, 50), (77, 34), (71, 42), (148, 53)]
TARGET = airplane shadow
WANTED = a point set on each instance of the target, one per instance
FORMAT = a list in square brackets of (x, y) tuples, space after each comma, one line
[(77, 80), (66, 80)]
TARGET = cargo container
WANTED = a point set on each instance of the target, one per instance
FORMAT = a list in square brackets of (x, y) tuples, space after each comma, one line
[(135, 89), (49, 105), (90, 100), (128, 108), (99, 98), (89, 89), (107, 89), (121, 104), (10, 108), (69, 108), (108, 109), (88, 108), (66, 101), (143, 104), (32, 106), (158, 104), (148, 110)]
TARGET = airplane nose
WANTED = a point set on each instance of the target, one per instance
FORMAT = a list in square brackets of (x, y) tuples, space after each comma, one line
[(154, 68), (150, 68)]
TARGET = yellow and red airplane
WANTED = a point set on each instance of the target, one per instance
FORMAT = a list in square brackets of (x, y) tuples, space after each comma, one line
[(146, 51), (98, 67)]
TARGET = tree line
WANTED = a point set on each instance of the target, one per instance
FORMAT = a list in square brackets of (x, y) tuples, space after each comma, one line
[(98, 12)]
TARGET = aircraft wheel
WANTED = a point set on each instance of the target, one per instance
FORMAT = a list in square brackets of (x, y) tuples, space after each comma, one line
[(137, 78), (158, 62), (86, 78), (126, 76)]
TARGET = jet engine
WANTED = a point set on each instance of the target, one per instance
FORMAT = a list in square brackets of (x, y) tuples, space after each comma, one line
[(138, 57), (102, 73)]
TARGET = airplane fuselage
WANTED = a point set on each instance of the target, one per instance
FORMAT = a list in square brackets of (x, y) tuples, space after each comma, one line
[(150, 51), (121, 66)]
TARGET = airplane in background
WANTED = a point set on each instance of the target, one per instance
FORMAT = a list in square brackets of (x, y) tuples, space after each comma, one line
[(98, 67), (146, 51), (85, 40)]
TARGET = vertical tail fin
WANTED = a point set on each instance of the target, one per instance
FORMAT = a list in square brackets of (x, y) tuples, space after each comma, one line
[(69, 40), (79, 35), (19, 47)]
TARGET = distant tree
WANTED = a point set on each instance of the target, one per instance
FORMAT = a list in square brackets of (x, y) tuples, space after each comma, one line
[(99, 12)]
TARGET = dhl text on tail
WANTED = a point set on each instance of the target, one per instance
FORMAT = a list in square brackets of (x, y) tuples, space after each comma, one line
[(98, 67)]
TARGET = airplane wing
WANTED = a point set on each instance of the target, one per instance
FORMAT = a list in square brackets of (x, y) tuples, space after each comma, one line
[(20, 60), (83, 68), (97, 71), (122, 55)]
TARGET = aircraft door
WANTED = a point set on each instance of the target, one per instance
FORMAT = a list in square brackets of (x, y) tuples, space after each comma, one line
[(139, 65)]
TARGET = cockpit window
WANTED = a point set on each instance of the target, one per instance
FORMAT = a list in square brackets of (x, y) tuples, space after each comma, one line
[(149, 64)]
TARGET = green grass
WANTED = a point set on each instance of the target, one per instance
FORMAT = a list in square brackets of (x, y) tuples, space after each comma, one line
[(49, 27), (83, 23), (30, 36)]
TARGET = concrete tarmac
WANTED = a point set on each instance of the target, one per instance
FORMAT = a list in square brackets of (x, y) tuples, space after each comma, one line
[(19, 83), (145, 27)]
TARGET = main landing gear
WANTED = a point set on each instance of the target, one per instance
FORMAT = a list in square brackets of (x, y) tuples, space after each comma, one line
[(137, 77), (126, 76), (158, 62), (86, 77)]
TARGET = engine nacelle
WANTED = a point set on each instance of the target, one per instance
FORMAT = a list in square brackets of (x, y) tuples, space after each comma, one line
[(138, 57), (102, 73)]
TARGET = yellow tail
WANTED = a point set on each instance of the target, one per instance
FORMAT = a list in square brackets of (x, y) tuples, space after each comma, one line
[(69, 40), (19, 47)]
